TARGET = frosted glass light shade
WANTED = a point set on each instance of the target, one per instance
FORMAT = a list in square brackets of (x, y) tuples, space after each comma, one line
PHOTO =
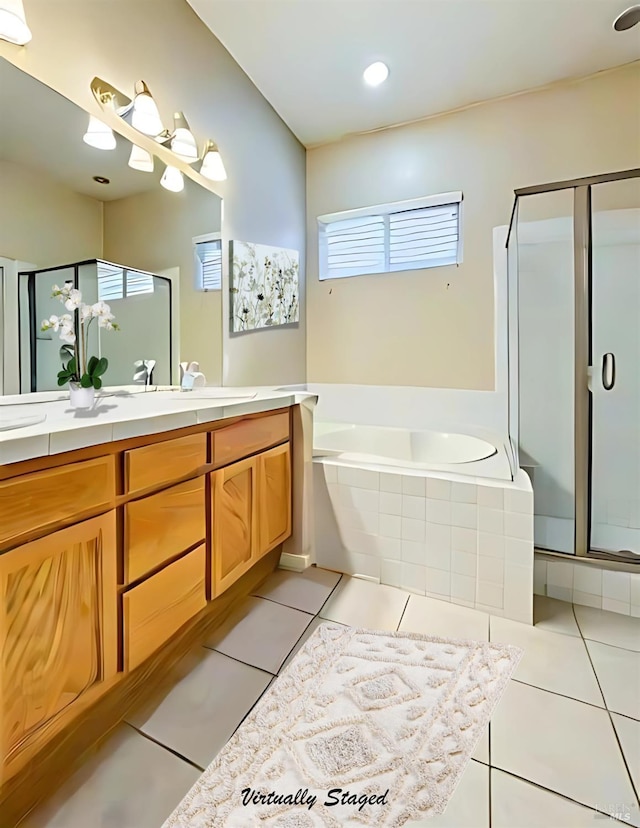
[(13, 23), (212, 166), (172, 180), (140, 159), (99, 135), (183, 143), (145, 115)]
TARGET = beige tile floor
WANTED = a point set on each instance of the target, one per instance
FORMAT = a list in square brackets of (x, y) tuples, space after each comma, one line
[(562, 750)]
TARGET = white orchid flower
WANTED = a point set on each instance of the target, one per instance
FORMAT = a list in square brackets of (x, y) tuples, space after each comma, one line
[(105, 322), (101, 310), (86, 312), (67, 335), (74, 301), (52, 323)]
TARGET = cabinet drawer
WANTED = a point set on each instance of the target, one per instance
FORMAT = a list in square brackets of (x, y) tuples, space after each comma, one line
[(249, 437), (155, 609), (34, 501), (163, 525), (163, 462)]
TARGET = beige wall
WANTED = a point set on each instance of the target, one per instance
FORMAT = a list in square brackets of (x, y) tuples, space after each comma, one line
[(165, 43), (154, 231), (435, 327), (43, 222)]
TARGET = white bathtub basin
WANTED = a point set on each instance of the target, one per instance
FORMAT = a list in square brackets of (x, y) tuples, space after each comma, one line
[(399, 446)]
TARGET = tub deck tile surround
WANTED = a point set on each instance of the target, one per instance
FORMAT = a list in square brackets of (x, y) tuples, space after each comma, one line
[(466, 541)]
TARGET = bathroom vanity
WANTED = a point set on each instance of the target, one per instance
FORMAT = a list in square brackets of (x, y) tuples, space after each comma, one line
[(117, 556)]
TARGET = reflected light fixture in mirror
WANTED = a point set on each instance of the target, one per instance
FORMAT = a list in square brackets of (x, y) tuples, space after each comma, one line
[(145, 116), (212, 166), (13, 23), (182, 142), (140, 159), (99, 135), (172, 180)]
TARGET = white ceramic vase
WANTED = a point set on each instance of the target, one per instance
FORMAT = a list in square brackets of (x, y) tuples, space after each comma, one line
[(81, 397)]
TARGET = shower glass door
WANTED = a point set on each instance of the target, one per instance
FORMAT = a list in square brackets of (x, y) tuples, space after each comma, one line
[(541, 286), (615, 372)]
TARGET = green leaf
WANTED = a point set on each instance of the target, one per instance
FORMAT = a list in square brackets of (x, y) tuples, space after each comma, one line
[(86, 381), (66, 352), (71, 365), (102, 366), (97, 382), (62, 380), (93, 362)]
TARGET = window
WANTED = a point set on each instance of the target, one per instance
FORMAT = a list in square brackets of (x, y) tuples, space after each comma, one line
[(110, 282), (407, 235), (116, 282), (208, 261)]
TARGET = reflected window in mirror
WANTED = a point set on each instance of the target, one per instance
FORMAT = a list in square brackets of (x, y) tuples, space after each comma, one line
[(207, 251)]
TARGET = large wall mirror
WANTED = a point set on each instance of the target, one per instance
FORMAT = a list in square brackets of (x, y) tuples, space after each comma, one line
[(71, 212)]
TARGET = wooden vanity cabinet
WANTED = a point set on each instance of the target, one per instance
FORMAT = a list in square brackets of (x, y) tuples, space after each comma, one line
[(233, 523), (274, 497), (58, 623), (250, 513), (110, 555)]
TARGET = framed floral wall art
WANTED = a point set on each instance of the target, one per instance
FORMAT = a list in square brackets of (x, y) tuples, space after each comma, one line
[(264, 286)]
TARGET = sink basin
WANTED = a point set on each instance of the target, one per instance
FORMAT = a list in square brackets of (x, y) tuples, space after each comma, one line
[(7, 423)]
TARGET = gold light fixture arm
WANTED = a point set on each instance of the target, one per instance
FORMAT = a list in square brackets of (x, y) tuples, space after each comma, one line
[(108, 96)]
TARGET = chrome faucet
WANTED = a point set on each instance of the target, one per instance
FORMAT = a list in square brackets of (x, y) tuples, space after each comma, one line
[(190, 376)]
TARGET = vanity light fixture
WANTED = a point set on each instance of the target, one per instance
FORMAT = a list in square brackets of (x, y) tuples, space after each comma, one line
[(212, 166), (13, 23), (99, 135), (145, 116), (140, 159), (142, 113), (173, 180), (182, 141)]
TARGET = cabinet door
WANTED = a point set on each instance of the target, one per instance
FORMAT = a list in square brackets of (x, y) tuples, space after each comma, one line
[(234, 510), (274, 497), (58, 627)]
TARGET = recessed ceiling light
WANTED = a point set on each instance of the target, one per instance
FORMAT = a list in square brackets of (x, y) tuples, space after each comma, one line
[(376, 74), (628, 19), (100, 179)]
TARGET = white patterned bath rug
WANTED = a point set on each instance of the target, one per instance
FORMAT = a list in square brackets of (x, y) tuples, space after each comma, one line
[(363, 728)]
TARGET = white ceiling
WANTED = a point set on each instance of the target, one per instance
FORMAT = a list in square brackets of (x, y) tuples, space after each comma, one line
[(307, 56), (43, 130)]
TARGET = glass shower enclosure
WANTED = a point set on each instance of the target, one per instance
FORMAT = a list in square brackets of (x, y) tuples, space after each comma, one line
[(140, 301), (574, 360)]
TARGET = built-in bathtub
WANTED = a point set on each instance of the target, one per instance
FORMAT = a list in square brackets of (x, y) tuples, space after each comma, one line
[(437, 513), (424, 450)]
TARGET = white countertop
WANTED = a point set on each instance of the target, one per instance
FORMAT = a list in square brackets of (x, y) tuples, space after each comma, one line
[(120, 413)]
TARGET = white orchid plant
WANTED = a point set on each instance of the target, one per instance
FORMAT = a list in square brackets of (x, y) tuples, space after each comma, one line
[(73, 328)]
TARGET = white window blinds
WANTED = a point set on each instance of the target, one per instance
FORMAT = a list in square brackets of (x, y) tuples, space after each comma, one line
[(209, 264), (137, 282), (354, 246), (402, 236), (116, 282), (110, 282)]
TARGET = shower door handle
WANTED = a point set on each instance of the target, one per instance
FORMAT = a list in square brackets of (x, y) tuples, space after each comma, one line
[(608, 371)]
